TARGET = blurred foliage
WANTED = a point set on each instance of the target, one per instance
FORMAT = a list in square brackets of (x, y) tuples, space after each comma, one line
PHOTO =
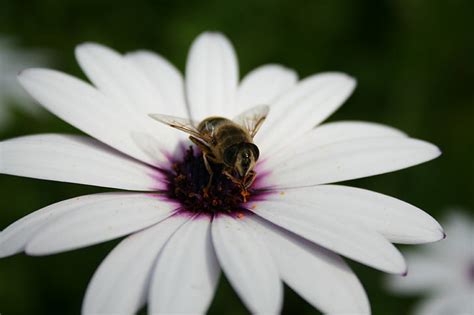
[(413, 60)]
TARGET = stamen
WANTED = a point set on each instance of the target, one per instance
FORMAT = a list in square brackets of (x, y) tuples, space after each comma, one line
[(188, 178)]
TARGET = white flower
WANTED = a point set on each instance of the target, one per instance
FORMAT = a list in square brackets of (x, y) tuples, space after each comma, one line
[(174, 255), (12, 60), (443, 271)]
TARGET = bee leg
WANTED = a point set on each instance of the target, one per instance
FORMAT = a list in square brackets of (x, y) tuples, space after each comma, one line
[(206, 157), (249, 179), (201, 145), (238, 182), (231, 177), (246, 183)]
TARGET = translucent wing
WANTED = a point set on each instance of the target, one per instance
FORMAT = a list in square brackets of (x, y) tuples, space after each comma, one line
[(183, 124), (252, 118)]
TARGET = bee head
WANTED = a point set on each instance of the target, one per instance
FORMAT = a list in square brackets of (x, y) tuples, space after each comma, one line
[(241, 157)]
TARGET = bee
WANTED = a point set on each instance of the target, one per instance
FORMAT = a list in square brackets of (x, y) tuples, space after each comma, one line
[(224, 141)]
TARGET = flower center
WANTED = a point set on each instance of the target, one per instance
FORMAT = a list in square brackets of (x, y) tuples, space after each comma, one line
[(187, 180)]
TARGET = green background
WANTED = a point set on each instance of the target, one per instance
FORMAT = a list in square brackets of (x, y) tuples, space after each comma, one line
[(412, 59)]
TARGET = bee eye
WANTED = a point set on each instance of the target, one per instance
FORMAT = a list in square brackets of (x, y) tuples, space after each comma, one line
[(255, 150), (230, 155), (246, 160)]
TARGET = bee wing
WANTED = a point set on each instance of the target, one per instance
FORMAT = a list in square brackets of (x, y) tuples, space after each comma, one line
[(252, 118), (187, 125)]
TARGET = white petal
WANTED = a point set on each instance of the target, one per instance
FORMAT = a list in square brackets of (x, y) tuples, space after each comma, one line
[(248, 264), (165, 78), (120, 284), (74, 159), (14, 238), (331, 133), (347, 160), (99, 222), (187, 272), (211, 76), (81, 105), (321, 277), (427, 273), (398, 221), (453, 303), (460, 229), (350, 130), (342, 236), (306, 105), (117, 78), (264, 85)]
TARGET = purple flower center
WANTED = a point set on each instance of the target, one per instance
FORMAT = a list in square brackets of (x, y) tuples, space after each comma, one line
[(187, 178)]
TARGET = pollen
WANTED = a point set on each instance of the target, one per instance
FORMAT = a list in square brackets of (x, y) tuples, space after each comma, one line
[(186, 182)]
